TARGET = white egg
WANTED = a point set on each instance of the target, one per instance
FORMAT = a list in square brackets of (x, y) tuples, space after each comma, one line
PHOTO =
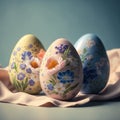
[(61, 72)]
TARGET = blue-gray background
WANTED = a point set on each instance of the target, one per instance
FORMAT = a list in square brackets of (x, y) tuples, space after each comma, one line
[(52, 19)]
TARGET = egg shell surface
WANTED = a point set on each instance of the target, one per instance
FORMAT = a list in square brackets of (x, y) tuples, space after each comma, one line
[(95, 63), (24, 65), (61, 72)]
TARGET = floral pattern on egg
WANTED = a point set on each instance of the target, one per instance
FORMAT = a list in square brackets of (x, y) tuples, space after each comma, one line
[(91, 71), (24, 66), (25, 73), (95, 63), (59, 67)]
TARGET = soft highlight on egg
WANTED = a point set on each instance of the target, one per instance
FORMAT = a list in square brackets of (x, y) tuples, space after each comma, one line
[(95, 63), (61, 72), (24, 64)]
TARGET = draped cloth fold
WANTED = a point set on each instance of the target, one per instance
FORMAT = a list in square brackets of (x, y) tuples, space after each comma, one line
[(111, 91)]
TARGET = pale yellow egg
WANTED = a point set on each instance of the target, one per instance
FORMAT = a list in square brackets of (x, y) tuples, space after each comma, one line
[(24, 65)]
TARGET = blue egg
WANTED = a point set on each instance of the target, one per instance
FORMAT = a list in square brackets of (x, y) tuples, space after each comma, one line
[(95, 63)]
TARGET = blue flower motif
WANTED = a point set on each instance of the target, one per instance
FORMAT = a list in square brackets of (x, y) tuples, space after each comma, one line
[(31, 82), (26, 55), (61, 48), (30, 46), (22, 66), (20, 76), (28, 70), (13, 65), (18, 49), (14, 53), (50, 86), (66, 76), (89, 74)]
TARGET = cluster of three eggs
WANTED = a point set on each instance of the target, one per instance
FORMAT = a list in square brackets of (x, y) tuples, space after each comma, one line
[(63, 70)]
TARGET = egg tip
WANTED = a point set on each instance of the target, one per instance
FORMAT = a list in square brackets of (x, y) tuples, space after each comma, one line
[(29, 36), (62, 40)]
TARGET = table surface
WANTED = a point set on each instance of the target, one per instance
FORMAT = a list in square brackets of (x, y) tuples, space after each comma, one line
[(109, 110)]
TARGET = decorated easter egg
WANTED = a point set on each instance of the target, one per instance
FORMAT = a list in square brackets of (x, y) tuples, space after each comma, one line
[(95, 63), (61, 71), (24, 64)]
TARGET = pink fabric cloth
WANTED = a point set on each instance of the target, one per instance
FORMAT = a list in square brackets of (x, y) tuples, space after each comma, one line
[(111, 91)]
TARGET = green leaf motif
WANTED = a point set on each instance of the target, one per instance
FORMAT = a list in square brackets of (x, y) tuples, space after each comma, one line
[(20, 85), (52, 82), (84, 50), (83, 56), (67, 86), (15, 67), (70, 88), (66, 52)]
